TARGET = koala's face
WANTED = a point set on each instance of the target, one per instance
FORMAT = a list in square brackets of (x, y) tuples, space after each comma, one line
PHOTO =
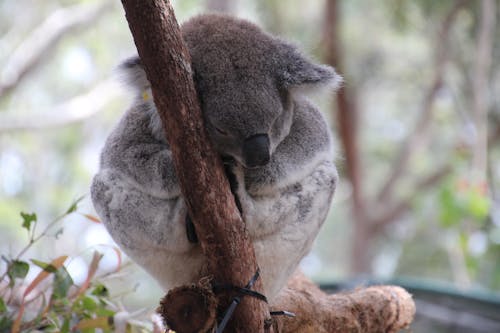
[(245, 80), (246, 119)]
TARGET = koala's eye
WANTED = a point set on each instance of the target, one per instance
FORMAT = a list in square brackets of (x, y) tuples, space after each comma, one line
[(220, 131)]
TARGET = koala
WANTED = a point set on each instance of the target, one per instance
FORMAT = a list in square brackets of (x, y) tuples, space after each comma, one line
[(277, 145)]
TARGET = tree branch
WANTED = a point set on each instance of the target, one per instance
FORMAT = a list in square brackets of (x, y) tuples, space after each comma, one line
[(221, 232), (347, 111), (373, 309), (365, 310), (74, 110), (43, 39), (417, 137), (396, 210)]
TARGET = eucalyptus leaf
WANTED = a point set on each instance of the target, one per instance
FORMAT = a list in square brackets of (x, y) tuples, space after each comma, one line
[(28, 220), (45, 266), (74, 205), (100, 290), (18, 269), (62, 283), (3, 307)]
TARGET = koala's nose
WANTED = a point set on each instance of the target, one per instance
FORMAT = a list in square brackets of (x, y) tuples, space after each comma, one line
[(256, 150)]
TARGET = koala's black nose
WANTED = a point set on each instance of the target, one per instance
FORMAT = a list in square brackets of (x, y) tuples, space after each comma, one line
[(256, 150)]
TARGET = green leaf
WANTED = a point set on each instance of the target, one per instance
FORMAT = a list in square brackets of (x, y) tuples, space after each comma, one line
[(74, 205), (28, 220), (18, 269), (3, 307), (450, 211), (65, 328), (88, 303), (45, 266), (62, 283), (477, 205), (5, 324), (100, 290), (102, 311)]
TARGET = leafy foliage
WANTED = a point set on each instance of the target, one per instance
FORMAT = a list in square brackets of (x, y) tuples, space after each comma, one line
[(51, 301), (28, 220)]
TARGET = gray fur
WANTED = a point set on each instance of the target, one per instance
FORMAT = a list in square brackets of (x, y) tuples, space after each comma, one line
[(248, 83)]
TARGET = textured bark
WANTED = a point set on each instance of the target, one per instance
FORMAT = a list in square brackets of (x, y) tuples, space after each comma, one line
[(189, 309), (220, 229), (383, 309)]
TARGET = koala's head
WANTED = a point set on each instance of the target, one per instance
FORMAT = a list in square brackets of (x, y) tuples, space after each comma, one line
[(246, 81)]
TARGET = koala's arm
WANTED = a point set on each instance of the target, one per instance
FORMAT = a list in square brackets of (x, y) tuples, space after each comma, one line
[(271, 210), (136, 195), (308, 144), (140, 156), (284, 223)]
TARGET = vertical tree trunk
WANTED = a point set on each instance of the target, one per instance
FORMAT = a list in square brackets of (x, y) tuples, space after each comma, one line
[(370, 214), (220, 230), (347, 115), (485, 36)]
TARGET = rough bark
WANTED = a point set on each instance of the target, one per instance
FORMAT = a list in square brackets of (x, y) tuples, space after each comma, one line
[(365, 310), (220, 229), (374, 309), (189, 309)]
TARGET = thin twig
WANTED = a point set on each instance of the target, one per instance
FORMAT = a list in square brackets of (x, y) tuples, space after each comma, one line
[(33, 240)]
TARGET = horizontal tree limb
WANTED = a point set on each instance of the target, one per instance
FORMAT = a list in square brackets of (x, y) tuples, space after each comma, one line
[(384, 309), (370, 310)]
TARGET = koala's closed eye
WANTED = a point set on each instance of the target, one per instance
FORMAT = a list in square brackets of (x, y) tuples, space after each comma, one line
[(220, 131)]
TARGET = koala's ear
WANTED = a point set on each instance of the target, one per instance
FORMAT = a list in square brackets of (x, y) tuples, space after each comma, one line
[(132, 74), (299, 73)]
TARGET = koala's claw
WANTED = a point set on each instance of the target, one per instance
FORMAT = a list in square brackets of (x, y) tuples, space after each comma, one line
[(190, 230)]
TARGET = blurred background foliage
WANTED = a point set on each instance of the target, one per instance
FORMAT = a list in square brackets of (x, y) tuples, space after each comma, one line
[(417, 127)]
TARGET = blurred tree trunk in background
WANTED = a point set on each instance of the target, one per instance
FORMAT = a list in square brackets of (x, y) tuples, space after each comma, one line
[(347, 115), (371, 214), (480, 88)]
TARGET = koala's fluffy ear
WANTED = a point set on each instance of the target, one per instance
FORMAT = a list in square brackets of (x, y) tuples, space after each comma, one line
[(132, 74), (300, 74)]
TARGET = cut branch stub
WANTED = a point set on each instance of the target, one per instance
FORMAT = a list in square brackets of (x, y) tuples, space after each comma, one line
[(189, 309)]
